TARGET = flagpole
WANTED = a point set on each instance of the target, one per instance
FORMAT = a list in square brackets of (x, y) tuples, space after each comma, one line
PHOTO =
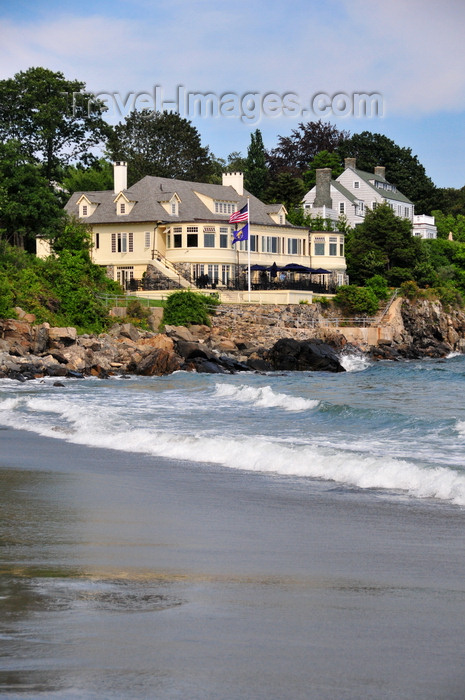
[(248, 243)]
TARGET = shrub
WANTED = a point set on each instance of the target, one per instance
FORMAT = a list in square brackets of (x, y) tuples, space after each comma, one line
[(356, 300), (378, 285), (186, 308), (410, 290)]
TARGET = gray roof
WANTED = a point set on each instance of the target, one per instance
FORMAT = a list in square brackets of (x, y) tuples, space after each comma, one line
[(344, 191), (150, 191), (370, 179)]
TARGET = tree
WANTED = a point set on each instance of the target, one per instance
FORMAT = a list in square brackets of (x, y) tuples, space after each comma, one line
[(287, 189), (323, 159), (160, 143), (402, 168), (382, 245), (294, 153), (256, 172), (54, 119), (28, 205), (448, 223), (99, 177)]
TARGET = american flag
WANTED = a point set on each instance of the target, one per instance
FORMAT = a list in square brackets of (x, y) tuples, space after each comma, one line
[(242, 215)]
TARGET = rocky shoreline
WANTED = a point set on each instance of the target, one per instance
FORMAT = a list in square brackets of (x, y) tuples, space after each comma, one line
[(242, 338)]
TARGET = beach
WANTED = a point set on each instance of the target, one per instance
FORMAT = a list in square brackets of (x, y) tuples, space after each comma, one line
[(132, 576)]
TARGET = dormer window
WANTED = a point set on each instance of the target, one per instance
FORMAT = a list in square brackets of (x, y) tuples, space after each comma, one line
[(122, 208), (174, 208), (356, 184), (84, 209)]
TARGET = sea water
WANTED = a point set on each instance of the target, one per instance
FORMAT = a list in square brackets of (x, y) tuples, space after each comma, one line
[(398, 428), (221, 537)]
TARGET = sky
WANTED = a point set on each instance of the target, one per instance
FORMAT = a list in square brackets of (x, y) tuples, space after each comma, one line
[(265, 64)]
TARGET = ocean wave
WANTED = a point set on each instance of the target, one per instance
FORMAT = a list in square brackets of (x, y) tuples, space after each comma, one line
[(354, 362), (269, 456), (264, 397)]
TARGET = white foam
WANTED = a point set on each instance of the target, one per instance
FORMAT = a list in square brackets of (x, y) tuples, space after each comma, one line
[(269, 455), (354, 362), (264, 397), (460, 427)]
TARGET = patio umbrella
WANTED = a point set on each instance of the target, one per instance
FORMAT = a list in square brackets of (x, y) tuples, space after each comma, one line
[(294, 267), (273, 270), (258, 268), (320, 271)]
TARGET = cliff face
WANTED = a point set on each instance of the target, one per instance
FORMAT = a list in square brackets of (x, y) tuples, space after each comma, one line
[(424, 329), (241, 338)]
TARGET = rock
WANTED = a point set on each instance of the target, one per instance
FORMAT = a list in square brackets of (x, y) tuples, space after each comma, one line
[(155, 318), (159, 362), (306, 355), (63, 336), (23, 316), (41, 338), (179, 333)]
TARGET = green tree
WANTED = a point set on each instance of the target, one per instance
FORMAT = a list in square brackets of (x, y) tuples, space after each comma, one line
[(323, 159), (450, 223), (356, 300), (256, 172), (160, 143), (28, 205), (55, 119), (382, 243), (402, 168), (287, 189), (98, 177)]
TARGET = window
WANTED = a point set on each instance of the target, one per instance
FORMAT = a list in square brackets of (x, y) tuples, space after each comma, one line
[(356, 184), (208, 240), (333, 245), (292, 246), (213, 273), (253, 244), (342, 207), (147, 239), (399, 209), (177, 240), (192, 229), (192, 239), (270, 244), (319, 244), (224, 207), (407, 213), (281, 219), (84, 209), (97, 240), (174, 208), (341, 247), (224, 240), (122, 209), (225, 274), (122, 242)]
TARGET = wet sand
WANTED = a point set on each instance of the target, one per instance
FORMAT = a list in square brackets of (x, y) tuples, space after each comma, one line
[(124, 576)]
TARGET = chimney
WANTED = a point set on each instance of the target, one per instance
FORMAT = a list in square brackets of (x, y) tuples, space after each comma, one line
[(380, 171), (120, 176), (235, 180), (323, 188), (350, 163)]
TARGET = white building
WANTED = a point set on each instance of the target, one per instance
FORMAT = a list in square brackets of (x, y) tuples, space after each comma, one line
[(353, 193)]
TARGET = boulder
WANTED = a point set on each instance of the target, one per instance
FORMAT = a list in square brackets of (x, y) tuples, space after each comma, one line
[(158, 363), (303, 355), (179, 333), (62, 336)]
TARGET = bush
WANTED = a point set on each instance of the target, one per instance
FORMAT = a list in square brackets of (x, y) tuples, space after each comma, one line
[(6, 300), (356, 301), (410, 290), (378, 285), (186, 308)]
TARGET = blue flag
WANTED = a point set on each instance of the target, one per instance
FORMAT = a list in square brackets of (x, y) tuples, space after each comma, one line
[(242, 235)]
